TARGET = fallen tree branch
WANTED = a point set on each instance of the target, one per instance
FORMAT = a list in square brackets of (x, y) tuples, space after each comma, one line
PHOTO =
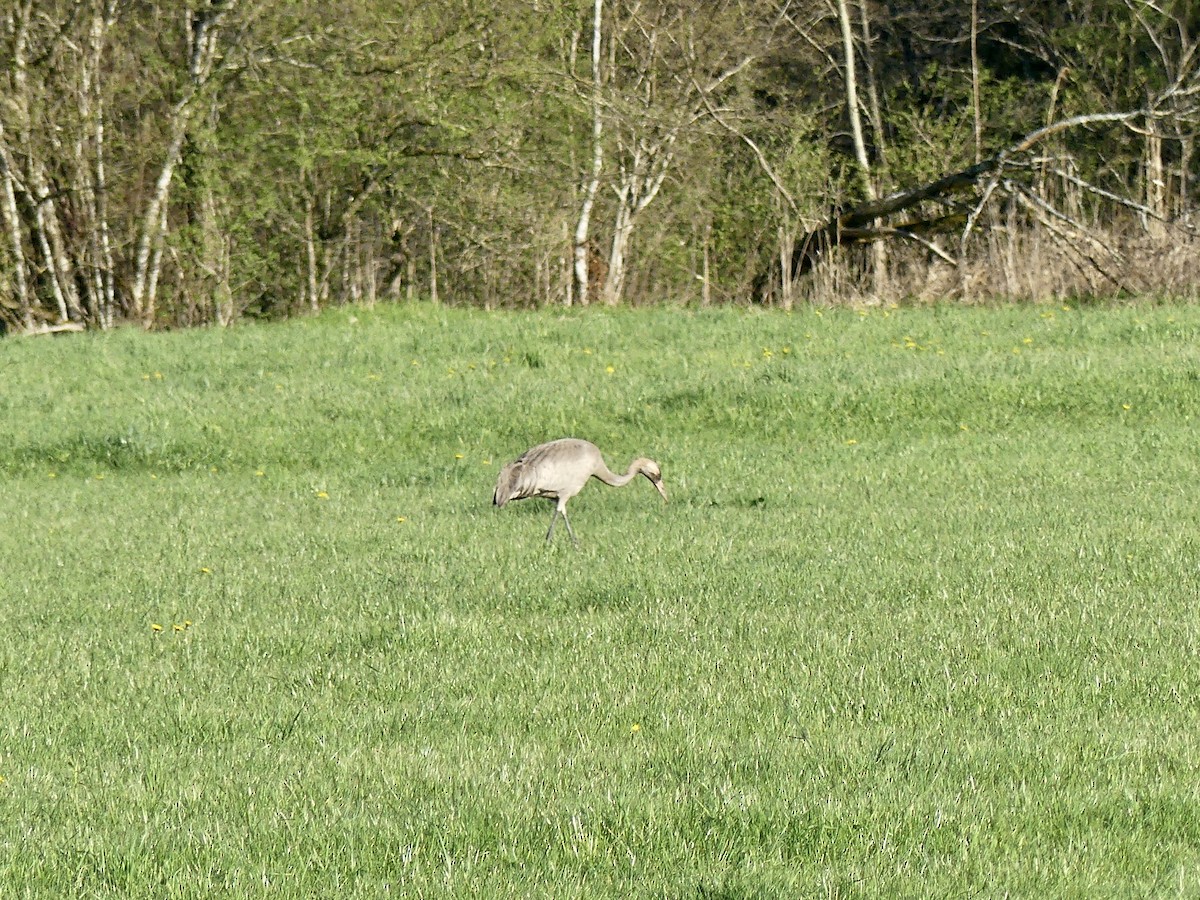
[(58, 328), (865, 235), (975, 185)]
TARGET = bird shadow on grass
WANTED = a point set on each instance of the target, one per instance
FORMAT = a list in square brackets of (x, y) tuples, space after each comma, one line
[(747, 501)]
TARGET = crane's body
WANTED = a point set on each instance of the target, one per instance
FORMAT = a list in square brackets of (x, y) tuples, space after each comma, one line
[(558, 470)]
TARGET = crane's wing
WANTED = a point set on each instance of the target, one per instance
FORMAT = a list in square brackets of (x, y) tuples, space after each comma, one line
[(513, 484), (557, 469)]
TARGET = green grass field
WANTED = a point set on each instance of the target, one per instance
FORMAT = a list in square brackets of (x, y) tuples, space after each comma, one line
[(919, 620)]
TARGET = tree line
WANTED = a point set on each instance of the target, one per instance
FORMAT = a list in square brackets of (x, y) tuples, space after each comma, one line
[(175, 164)]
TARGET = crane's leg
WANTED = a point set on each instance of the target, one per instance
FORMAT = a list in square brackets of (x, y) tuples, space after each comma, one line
[(569, 531), (560, 509)]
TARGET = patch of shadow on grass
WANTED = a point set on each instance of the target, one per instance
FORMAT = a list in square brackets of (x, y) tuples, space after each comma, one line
[(607, 596), (706, 890), (130, 450)]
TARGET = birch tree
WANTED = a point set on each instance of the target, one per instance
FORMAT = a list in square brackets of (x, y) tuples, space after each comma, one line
[(36, 41), (592, 185), (669, 69), (202, 30)]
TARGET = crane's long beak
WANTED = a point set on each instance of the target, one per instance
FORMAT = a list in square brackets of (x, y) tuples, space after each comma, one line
[(662, 490)]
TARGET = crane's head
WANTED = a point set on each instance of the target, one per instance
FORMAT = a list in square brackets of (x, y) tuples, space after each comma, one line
[(650, 469)]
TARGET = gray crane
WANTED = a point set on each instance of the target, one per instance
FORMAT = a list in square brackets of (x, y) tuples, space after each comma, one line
[(558, 470)]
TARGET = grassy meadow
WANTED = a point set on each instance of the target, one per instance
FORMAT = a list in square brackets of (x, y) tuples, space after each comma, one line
[(920, 618)]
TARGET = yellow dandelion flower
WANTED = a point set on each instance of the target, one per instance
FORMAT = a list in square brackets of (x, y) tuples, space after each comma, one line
[(851, 442), (401, 519), (187, 623), (1027, 341), (635, 728), (259, 472), (609, 369), (1126, 406), (177, 627), (487, 462), (205, 570), (322, 495), (458, 456), (52, 475), (155, 627)]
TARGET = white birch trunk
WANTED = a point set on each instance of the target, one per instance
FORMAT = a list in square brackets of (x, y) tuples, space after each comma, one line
[(143, 294), (975, 104), (856, 132), (12, 224), (583, 225), (92, 173), (636, 190), (108, 296), (202, 31), (878, 257), (46, 236)]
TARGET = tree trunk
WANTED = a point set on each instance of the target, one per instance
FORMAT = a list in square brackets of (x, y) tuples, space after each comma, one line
[(977, 116), (90, 175), (203, 29), (45, 234), (12, 224), (1156, 185), (433, 254), (313, 300), (878, 251), (583, 225), (856, 132)]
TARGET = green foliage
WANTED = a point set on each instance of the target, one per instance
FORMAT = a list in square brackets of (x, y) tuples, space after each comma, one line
[(918, 619), (341, 152)]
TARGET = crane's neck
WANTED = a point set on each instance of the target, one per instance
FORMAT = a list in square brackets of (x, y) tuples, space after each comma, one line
[(612, 478)]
